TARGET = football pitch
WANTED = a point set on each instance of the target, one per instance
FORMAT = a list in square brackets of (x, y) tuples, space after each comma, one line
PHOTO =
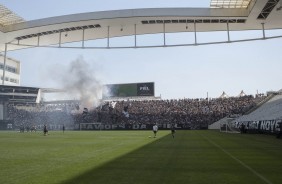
[(132, 157)]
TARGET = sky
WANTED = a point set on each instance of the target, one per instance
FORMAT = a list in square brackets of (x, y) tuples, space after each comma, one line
[(178, 72)]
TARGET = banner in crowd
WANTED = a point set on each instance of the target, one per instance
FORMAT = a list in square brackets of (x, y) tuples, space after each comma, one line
[(268, 126), (99, 126)]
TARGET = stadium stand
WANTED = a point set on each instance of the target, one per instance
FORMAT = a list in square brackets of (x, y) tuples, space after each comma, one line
[(266, 117), (187, 113), (38, 115), (272, 109), (191, 113)]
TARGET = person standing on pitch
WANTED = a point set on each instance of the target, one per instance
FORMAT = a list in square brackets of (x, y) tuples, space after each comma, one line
[(45, 130), (172, 128), (155, 130), (280, 131)]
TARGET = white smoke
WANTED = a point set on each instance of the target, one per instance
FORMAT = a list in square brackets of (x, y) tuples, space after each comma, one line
[(79, 81), (107, 91)]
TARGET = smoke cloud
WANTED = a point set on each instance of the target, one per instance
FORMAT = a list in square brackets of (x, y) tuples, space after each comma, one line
[(79, 81)]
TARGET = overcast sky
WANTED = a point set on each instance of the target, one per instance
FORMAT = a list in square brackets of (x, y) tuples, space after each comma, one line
[(178, 72)]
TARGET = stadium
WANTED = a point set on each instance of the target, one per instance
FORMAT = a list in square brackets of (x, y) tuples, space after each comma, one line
[(87, 130)]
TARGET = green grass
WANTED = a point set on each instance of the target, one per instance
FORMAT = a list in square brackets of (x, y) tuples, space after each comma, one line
[(121, 157)]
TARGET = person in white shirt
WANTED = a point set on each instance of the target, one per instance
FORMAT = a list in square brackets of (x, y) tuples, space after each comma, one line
[(155, 130)]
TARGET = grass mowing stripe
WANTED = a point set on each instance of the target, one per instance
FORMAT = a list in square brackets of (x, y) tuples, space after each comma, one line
[(239, 161)]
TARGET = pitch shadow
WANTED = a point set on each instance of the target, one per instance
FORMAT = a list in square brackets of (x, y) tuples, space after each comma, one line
[(144, 165)]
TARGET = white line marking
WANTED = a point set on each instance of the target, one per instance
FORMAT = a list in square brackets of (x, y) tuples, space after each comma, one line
[(239, 161)]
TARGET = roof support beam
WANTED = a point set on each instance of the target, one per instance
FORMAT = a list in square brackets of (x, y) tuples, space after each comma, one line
[(60, 38), (135, 39), (38, 40), (108, 38), (228, 35), (83, 32), (4, 67), (263, 30), (164, 33), (195, 31)]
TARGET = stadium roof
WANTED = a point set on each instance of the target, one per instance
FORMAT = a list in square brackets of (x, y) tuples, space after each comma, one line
[(223, 15), (230, 3), (19, 94), (7, 17)]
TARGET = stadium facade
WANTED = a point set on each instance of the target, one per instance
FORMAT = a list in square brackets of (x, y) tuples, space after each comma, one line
[(12, 71)]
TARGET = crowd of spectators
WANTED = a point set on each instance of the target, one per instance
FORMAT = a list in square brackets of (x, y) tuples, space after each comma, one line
[(195, 113), (32, 118)]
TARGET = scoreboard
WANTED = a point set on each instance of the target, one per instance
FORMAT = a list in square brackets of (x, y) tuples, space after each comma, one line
[(129, 90)]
